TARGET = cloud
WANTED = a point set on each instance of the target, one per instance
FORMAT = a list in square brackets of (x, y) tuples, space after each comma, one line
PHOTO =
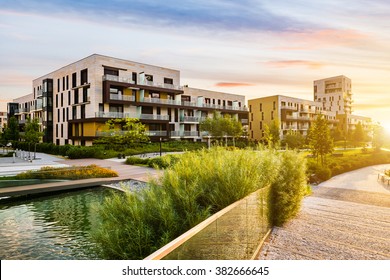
[(294, 63), (224, 84), (225, 15), (323, 38)]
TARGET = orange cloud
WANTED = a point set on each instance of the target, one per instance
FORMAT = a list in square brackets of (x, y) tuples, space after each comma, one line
[(322, 38), (223, 84), (293, 63)]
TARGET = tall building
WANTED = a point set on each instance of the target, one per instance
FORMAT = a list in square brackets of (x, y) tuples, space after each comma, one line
[(335, 94), (74, 102)]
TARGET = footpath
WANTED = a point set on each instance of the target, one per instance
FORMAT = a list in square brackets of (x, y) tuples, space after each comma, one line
[(12, 166), (346, 218)]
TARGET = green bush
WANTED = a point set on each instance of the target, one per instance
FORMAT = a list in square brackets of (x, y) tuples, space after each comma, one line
[(199, 184), (137, 160), (77, 152), (288, 189)]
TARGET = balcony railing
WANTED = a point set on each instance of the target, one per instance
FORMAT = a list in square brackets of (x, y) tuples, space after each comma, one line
[(122, 97), (113, 115), (244, 121), (189, 119), (191, 133), (118, 79), (154, 117), (167, 86), (298, 118), (156, 133), (285, 107), (161, 101)]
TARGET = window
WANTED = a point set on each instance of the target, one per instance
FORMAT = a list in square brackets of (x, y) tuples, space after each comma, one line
[(101, 107), (56, 100), (82, 111), (58, 115), (272, 115), (251, 116), (85, 94), (67, 114), (261, 107), (158, 110), (63, 83), (315, 89), (56, 130), (76, 96), (112, 72), (250, 108), (250, 125), (68, 97), (84, 76), (62, 130), (262, 116), (261, 125), (74, 80), (74, 113), (58, 85), (63, 114), (62, 99), (134, 77), (67, 82), (274, 106), (168, 81)]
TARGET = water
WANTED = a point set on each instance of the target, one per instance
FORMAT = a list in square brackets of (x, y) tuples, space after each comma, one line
[(51, 227)]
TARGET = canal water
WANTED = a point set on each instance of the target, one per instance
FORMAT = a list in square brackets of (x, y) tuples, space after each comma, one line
[(51, 227)]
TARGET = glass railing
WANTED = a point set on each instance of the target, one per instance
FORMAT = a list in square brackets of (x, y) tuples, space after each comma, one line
[(118, 115), (234, 233), (161, 101), (155, 133), (154, 117), (122, 97), (118, 79), (189, 119)]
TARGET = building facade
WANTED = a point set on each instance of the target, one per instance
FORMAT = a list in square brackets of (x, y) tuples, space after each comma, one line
[(3, 120), (74, 102), (332, 99), (292, 115)]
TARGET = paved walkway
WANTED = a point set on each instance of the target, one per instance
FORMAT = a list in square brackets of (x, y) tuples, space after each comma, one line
[(346, 218), (10, 166)]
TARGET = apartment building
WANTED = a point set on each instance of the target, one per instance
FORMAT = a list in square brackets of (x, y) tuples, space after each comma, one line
[(74, 102), (293, 114), (335, 94), (332, 98)]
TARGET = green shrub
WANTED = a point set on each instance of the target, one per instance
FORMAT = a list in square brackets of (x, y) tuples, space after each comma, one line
[(137, 160), (288, 189), (77, 152), (199, 184)]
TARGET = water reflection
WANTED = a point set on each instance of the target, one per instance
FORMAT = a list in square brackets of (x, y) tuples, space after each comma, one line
[(51, 227)]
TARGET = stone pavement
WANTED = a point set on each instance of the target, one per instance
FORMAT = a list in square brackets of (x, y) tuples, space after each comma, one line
[(346, 218)]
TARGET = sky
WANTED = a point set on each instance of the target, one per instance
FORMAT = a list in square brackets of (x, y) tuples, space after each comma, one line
[(251, 47)]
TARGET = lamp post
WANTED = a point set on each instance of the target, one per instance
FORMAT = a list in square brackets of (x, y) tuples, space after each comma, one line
[(160, 146)]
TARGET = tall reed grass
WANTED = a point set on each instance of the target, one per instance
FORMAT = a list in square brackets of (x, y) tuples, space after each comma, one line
[(199, 184)]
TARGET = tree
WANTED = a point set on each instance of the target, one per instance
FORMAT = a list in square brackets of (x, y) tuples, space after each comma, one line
[(32, 134), (123, 132), (359, 134), (320, 141), (378, 137), (294, 140), (219, 126), (11, 133), (272, 133)]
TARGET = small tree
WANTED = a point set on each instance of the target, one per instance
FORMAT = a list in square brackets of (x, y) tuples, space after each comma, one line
[(378, 137), (359, 134), (294, 140), (219, 126), (11, 133), (320, 141), (272, 133), (32, 133), (123, 132)]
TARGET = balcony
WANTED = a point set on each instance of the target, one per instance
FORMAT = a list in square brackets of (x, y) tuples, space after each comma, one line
[(189, 119), (114, 115), (244, 121), (285, 107), (161, 101), (301, 118), (152, 133), (190, 133), (113, 78), (22, 121), (154, 117), (122, 97), (160, 85)]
